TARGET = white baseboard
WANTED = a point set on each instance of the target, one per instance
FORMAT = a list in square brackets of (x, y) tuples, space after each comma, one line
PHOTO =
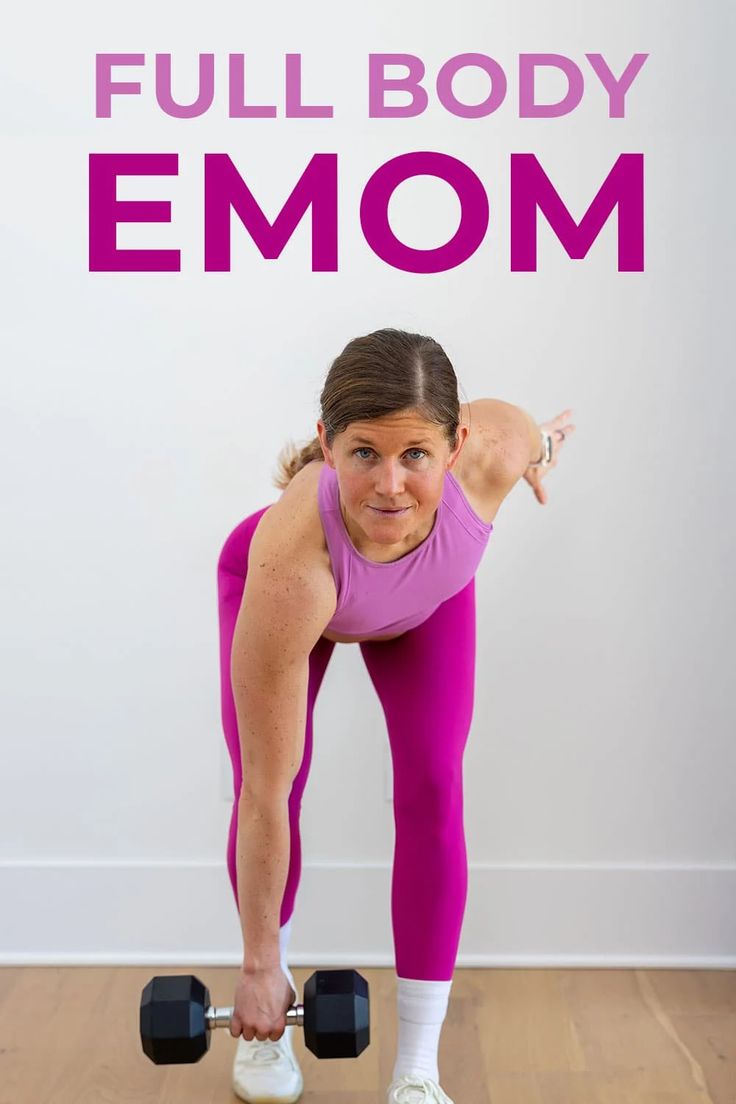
[(169, 913)]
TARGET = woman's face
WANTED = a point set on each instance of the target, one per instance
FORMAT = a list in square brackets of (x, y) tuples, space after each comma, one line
[(391, 472)]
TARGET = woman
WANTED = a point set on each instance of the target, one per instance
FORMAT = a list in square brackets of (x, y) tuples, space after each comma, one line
[(375, 540)]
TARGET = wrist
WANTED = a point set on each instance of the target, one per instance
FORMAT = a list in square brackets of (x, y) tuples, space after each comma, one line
[(266, 957), (260, 966), (537, 448), (541, 450)]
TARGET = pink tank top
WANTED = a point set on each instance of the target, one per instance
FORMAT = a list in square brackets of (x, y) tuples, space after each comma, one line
[(377, 598)]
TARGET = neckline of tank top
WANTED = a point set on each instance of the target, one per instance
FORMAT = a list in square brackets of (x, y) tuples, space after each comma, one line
[(487, 525)]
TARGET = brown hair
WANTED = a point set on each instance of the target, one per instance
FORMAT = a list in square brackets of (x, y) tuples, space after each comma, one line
[(381, 373)]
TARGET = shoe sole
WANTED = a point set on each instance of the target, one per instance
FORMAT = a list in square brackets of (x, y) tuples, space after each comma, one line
[(270, 1099)]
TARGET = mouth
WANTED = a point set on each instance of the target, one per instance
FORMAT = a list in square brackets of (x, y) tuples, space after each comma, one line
[(390, 513)]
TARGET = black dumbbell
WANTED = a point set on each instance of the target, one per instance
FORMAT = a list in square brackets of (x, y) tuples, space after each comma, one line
[(176, 1018)]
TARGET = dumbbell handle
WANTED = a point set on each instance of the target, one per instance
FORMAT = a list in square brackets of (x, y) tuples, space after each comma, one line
[(221, 1017)]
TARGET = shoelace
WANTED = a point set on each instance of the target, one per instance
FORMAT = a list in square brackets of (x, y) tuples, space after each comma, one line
[(406, 1092)]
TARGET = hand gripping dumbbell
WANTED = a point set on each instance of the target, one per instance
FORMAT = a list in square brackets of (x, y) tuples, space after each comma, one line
[(176, 1018)]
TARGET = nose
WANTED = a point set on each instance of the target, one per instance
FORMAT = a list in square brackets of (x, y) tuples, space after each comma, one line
[(389, 481)]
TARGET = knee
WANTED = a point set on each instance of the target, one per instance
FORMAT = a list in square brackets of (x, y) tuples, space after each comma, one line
[(431, 793)]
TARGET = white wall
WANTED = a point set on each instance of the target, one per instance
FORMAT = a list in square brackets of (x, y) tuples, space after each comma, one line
[(141, 418)]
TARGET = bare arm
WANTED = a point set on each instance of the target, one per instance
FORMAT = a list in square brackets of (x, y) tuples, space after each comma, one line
[(263, 840), (514, 442), (512, 431), (287, 603)]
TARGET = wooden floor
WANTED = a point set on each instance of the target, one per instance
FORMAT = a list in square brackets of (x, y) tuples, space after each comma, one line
[(512, 1036)]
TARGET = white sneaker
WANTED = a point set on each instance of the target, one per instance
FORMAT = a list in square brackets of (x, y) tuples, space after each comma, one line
[(267, 1072), (414, 1089)]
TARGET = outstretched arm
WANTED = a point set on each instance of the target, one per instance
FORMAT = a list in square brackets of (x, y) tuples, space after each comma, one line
[(517, 443)]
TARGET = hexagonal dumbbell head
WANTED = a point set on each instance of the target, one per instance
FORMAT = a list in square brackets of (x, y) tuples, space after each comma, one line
[(173, 1024), (336, 1014)]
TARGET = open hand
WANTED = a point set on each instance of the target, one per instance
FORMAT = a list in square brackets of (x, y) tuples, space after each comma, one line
[(560, 430)]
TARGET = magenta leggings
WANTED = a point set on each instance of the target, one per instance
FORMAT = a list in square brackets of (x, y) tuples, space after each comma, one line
[(425, 681)]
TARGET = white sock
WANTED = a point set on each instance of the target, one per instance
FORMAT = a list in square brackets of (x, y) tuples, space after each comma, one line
[(284, 935), (422, 1007)]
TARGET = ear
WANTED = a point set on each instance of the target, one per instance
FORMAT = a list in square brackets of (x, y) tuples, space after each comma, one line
[(461, 436), (326, 450)]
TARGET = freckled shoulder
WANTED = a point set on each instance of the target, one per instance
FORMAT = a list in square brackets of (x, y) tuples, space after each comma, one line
[(479, 468), (300, 524), (470, 471)]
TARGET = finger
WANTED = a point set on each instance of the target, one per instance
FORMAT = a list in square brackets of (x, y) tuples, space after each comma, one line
[(566, 431), (562, 422)]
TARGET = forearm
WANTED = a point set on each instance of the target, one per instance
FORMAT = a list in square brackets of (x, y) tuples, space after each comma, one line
[(271, 708), (262, 861), (534, 435)]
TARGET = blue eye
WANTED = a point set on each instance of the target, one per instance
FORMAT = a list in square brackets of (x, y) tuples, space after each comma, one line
[(364, 448)]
